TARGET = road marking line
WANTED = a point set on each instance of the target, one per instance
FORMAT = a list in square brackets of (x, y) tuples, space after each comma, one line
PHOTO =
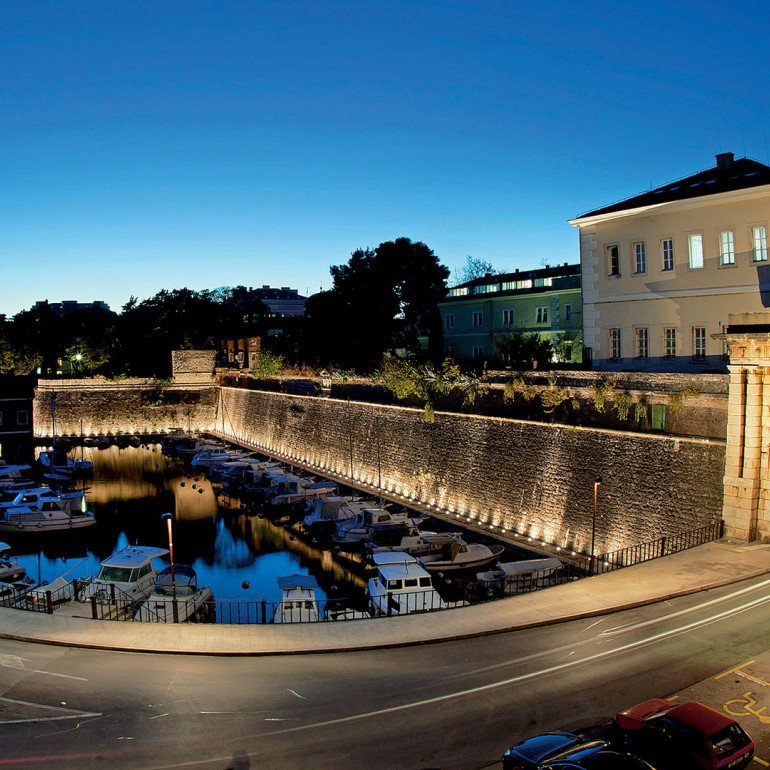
[(73, 714), (295, 693)]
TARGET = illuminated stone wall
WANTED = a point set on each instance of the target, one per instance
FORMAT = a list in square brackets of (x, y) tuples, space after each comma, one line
[(531, 478), (93, 407)]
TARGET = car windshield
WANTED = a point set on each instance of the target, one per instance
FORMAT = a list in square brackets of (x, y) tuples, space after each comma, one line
[(729, 739)]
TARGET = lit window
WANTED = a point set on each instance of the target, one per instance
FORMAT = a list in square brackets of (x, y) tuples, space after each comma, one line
[(613, 261), (615, 349), (696, 251), (669, 337), (640, 258), (667, 248), (478, 318), (726, 248), (567, 313), (449, 321), (541, 316), (699, 342), (507, 317), (642, 343), (759, 238)]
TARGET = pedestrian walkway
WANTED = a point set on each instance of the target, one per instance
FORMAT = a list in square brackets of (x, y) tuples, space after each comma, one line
[(708, 566)]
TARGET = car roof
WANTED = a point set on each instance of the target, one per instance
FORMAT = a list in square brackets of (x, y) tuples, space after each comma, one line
[(700, 717), (541, 747)]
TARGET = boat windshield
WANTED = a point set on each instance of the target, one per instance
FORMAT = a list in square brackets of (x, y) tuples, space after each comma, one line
[(116, 574)]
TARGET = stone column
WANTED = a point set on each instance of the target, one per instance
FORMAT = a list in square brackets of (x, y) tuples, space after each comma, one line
[(763, 509), (742, 458)]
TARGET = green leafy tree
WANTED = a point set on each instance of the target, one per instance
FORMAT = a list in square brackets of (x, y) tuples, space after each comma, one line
[(521, 349)]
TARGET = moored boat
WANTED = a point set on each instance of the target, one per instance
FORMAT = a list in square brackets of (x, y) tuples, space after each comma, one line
[(299, 603), (453, 554), (178, 586), (128, 574), (49, 516), (401, 586)]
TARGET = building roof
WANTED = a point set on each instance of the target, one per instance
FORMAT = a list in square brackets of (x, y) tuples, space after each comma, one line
[(727, 176)]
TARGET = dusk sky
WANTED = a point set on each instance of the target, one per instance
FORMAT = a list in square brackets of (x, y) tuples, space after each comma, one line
[(152, 145)]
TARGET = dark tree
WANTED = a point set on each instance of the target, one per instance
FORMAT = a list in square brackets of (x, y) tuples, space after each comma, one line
[(383, 299)]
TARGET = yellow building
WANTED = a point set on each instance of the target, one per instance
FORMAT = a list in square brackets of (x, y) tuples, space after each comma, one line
[(662, 271)]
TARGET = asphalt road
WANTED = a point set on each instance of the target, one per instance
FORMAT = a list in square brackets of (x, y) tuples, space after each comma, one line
[(453, 705)]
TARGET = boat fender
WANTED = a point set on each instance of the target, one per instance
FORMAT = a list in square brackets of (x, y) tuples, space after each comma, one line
[(182, 484)]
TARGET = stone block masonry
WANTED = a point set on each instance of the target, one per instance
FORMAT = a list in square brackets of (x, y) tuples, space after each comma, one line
[(531, 478), (102, 407)]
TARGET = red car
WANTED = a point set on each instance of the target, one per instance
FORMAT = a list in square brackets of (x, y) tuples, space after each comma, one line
[(707, 738)]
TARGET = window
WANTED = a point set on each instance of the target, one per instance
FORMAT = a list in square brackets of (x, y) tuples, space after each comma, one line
[(696, 251), (451, 350), (567, 314), (460, 291), (507, 317), (613, 261), (642, 342), (449, 321), (478, 352), (669, 341), (615, 350), (640, 265), (699, 342), (659, 416), (667, 248), (726, 248), (541, 315), (22, 417), (1, 418), (759, 239), (478, 318)]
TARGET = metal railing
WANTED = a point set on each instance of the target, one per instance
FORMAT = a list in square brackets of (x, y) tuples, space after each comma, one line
[(654, 549), (114, 604)]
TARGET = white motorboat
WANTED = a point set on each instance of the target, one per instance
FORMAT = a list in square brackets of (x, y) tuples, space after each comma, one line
[(47, 516), (510, 573), (401, 586), (128, 574), (14, 591), (327, 512), (181, 583), (14, 477), (59, 462), (9, 570), (358, 529), (453, 554), (35, 497), (211, 457), (298, 601), (409, 540), (295, 490)]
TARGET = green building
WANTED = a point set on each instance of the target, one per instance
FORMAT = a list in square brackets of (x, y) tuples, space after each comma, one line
[(480, 312)]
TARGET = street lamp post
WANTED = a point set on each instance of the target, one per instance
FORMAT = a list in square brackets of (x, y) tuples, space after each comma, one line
[(597, 481), (168, 518)]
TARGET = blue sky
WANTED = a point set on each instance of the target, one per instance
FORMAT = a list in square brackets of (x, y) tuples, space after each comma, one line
[(201, 144)]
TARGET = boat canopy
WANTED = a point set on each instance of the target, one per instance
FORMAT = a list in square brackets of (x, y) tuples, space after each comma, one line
[(297, 581)]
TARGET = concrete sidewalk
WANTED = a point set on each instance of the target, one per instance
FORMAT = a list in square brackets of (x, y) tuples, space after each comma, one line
[(708, 566)]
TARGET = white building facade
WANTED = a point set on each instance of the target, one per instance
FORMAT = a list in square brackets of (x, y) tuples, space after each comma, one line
[(662, 271)]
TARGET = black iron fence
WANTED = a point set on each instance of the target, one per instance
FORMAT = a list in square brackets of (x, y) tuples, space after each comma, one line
[(654, 549)]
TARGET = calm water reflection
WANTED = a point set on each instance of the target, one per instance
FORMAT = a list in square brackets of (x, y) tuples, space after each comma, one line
[(133, 487)]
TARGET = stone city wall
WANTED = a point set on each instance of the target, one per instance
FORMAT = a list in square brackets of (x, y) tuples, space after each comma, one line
[(193, 366), (94, 407), (532, 478)]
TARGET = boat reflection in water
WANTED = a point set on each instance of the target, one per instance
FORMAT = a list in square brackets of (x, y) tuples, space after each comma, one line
[(238, 556)]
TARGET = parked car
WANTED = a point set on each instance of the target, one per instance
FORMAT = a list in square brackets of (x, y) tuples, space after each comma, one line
[(534, 753), (605, 759), (685, 735)]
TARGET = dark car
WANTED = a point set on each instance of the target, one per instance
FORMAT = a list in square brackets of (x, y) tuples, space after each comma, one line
[(533, 753), (685, 735), (605, 759)]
